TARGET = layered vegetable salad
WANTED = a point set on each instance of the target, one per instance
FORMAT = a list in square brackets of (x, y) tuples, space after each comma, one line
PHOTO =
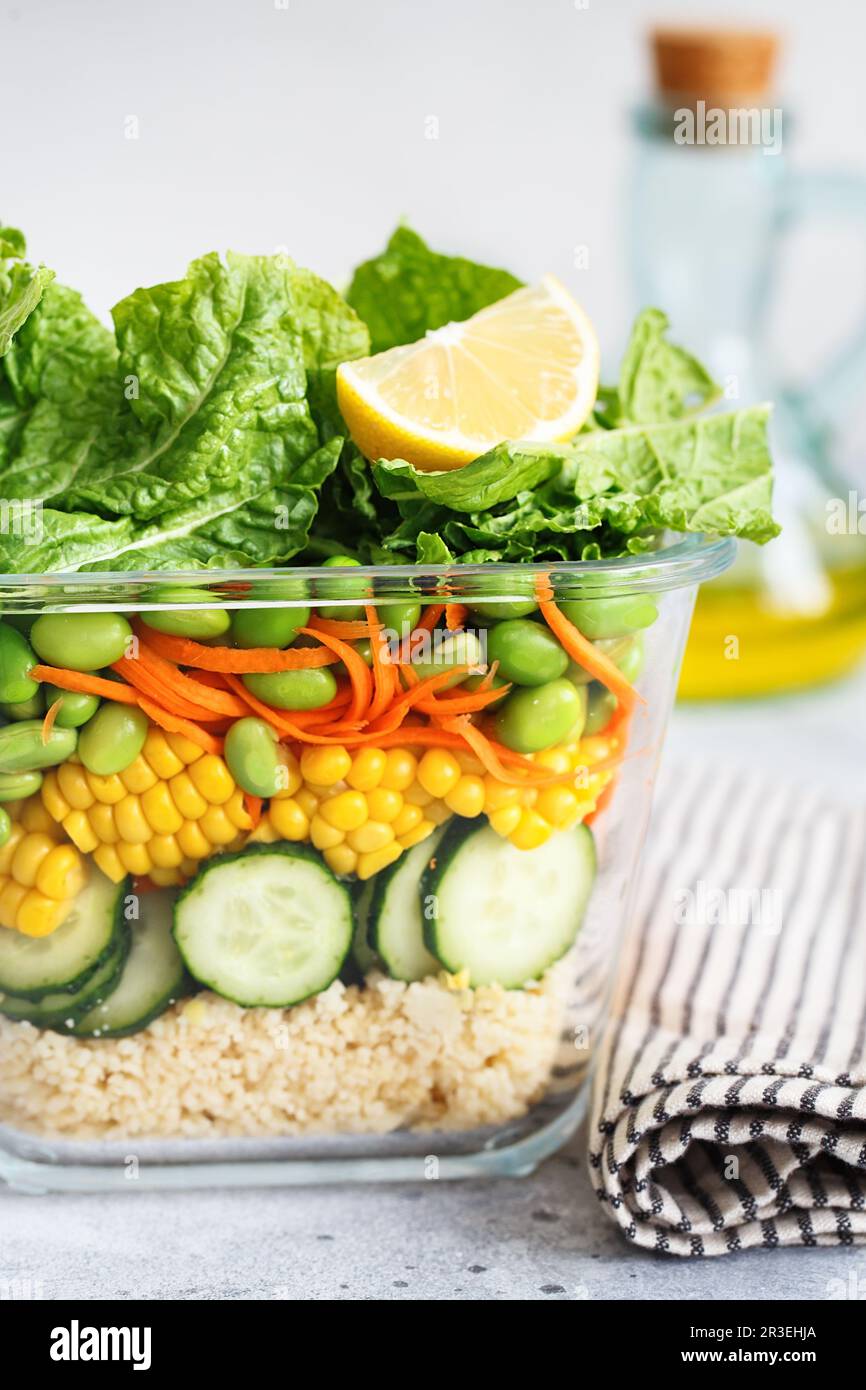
[(280, 865)]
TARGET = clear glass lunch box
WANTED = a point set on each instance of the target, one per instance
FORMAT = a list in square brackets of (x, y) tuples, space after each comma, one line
[(376, 1077)]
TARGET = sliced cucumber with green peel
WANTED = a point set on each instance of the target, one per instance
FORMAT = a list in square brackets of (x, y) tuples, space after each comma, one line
[(153, 976), (396, 930), (503, 914), (62, 1011), (33, 966), (362, 957), (267, 927)]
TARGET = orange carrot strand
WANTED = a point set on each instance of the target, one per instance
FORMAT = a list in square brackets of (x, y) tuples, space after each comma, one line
[(82, 682)]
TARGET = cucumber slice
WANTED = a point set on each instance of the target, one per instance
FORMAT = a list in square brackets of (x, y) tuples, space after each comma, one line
[(396, 929), (61, 1011), (266, 927), (33, 966), (505, 914), (361, 958), (153, 976)]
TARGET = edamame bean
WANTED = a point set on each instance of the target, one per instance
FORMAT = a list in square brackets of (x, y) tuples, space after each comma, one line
[(308, 689), (80, 641), (255, 758), (25, 709), (14, 786), (339, 612), (401, 618), (508, 608), (196, 622), (626, 653), (112, 739), (460, 649), (16, 662), (76, 707), (471, 684), (630, 660), (527, 653), (600, 709), (267, 627), (537, 717), (603, 617), (5, 825), (23, 749)]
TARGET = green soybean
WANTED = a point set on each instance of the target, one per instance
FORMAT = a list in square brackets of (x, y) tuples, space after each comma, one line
[(528, 653), (472, 683), (631, 660), (80, 641), (14, 786), (25, 709), (112, 739), (5, 825), (401, 618), (508, 608), (460, 649), (308, 689), (267, 627), (255, 758), (626, 653), (600, 709), (611, 616), (196, 622), (535, 718), (23, 749), (75, 709), (339, 612), (16, 662)]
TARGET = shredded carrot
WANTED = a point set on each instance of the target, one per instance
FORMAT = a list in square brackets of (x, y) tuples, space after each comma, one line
[(431, 617), (587, 655), (384, 674), (50, 715), (154, 689), (219, 701), (143, 884), (234, 660), (253, 807), (446, 704), (339, 627), (455, 616), (82, 682), (173, 724), (358, 670)]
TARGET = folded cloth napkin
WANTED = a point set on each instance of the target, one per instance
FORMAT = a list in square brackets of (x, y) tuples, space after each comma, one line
[(729, 1100)]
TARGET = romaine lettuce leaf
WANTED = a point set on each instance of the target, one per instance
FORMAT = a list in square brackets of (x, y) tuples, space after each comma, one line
[(659, 381)]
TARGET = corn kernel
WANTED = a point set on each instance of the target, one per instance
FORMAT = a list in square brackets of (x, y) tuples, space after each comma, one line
[(80, 831), (72, 780), (134, 858), (499, 794), (52, 799), (193, 840), (368, 769), (506, 819), (417, 834), (438, 812), (34, 816), (469, 763), (106, 858), (308, 801), (415, 795), (554, 759), (107, 789), (289, 775), (235, 809), (323, 835), (61, 874), (288, 820), (346, 811), (265, 834), (372, 835), (165, 878), (39, 915), (132, 824), (341, 859), (162, 815), (438, 771), (325, 766), (212, 778), (160, 756), (165, 851), (376, 860), (186, 750), (409, 817), (186, 796), (531, 831), (401, 767), (12, 896), (217, 827), (558, 805), (139, 776), (467, 797), (7, 851), (385, 804)]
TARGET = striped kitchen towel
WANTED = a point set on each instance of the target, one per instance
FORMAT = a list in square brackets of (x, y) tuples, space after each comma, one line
[(729, 1102)]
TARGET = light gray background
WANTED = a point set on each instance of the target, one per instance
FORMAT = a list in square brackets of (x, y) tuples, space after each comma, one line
[(304, 128)]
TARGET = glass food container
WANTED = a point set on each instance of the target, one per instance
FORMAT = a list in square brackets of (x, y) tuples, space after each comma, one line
[(234, 955)]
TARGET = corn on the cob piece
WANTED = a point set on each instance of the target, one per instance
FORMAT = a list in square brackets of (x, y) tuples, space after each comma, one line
[(40, 872)]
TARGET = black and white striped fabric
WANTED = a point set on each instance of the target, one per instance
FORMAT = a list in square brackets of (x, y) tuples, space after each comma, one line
[(729, 1101)]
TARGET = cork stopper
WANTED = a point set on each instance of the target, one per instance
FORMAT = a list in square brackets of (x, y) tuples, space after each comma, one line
[(723, 67)]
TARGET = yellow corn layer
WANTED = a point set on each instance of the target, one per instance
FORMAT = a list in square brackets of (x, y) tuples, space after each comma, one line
[(40, 872), (172, 807)]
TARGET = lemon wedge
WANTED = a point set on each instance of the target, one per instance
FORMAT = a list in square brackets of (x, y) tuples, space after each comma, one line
[(523, 368)]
